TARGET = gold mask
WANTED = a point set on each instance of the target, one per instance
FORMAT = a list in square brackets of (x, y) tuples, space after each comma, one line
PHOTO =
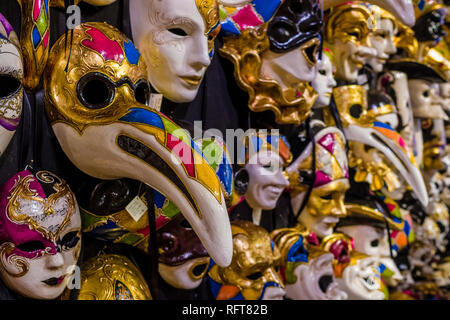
[(352, 105), (405, 41), (290, 106), (112, 277), (254, 265)]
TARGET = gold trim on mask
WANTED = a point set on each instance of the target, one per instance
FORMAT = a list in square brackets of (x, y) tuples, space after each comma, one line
[(406, 40), (265, 94), (313, 42), (432, 155), (21, 264), (348, 96), (198, 263), (371, 213), (209, 10)]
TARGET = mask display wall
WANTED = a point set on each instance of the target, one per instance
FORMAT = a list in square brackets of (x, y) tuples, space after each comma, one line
[(176, 39), (11, 83), (252, 275), (114, 135), (275, 61), (40, 234)]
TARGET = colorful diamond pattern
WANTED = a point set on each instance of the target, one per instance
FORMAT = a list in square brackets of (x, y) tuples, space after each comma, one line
[(40, 35)]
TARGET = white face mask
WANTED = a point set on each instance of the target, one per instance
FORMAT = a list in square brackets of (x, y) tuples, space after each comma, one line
[(425, 101), (324, 82), (266, 180), (11, 89), (350, 58), (185, 276), (172, 37), (382, 41), (444, 89), (315, 281)]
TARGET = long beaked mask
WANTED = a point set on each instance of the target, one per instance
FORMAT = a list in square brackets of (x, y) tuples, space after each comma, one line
[(307, 270), (273, 61), (112, 277), (11, 83), (347, 32), (40, 232), (252, 275), (96, 109), (360, 128), (176, 39), (326, 202)]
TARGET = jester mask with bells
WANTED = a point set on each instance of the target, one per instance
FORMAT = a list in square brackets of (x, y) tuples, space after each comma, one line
[(329, 181), (306, 269), (11, 79), (253, 273), (386, 146), (176, 39), (95, 103), (40, 233), (347, 33), (274, 61), (112, 277)]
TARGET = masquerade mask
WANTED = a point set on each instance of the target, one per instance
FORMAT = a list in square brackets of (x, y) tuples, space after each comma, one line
[(274, 81), (252, 275), (112, 277), (439, 213), (324, 82), (425, 101), (40, 231), (429, 26), (11, 79), (97, 113), (176, 39), (306, 269), (360, 128), (433, 144), (347, 32), (326, 201), (183, 261)]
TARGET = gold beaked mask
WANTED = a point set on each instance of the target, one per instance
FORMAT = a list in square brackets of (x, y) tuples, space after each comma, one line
[(112, 277), (290, 106), (254, 265)]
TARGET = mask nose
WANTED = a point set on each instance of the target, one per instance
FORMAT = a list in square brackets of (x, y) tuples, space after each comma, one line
[(200, 55), (339, 206), (55, 261), (391, 48)]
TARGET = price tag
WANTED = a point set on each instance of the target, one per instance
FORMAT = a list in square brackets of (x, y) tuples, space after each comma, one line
[(136, 208), (155, 101)]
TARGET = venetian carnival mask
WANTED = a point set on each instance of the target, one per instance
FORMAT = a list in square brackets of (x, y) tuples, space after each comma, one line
[(306, 269), (382, 38), (97, 111), (265, 159), (11, 79), (425, 101), (347, 32), (324, 82), (274, 61), (434, 142), (176, 39), (374, 142), (40, 232), (442, 273), (326, 201), (252, 275), (429, 26), (439, 214), (112, 277), (183, 261)]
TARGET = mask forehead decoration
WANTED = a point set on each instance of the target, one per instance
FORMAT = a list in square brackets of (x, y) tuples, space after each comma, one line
[(361, 129), (39, 224), (98, 106), (11, 88), (249, 48), (112, 277), (252, 274)]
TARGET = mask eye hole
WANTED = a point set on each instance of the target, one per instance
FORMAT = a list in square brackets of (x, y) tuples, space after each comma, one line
[(185, 224), (31, 246), (356, 111), (322, 72), (70, 240), (95, 90), (178, 31), (374, 243), (254, 276), (142, 92), (327, 197), (426, 94), (8, 86)]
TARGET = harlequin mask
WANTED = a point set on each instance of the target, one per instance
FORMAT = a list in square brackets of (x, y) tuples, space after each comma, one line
[(266, 157), (183, 261), (275, 80), (252, 275), (96, 109), (112, 277), (40, 231), (306, 269), (326, 202), (347, 32), (361, 129), (324, 82), (176, 39), (11, 78)]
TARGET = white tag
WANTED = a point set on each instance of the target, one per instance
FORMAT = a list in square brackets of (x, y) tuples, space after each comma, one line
[(155, 101), (136, 208)]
